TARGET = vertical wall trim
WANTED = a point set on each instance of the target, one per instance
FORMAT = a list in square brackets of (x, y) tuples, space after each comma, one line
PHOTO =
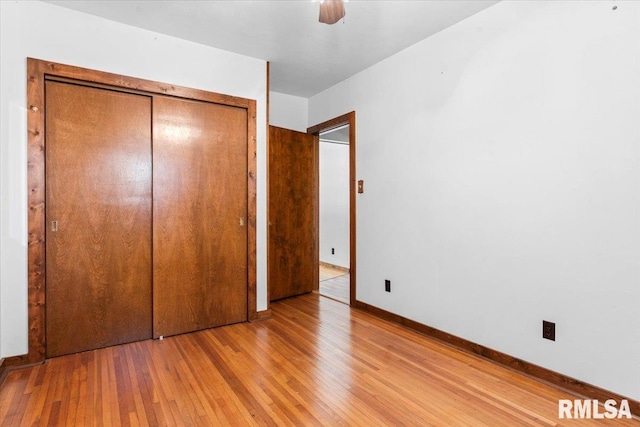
[(252, 267), (268, 97)]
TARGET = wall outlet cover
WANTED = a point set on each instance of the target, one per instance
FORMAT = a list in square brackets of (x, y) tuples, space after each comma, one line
[(548, 330)]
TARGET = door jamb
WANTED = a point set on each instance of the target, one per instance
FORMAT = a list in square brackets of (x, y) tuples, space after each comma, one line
[(345, 119)]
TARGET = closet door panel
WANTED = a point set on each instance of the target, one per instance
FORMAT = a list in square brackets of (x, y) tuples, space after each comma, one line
[(98, 210), (199, 215)]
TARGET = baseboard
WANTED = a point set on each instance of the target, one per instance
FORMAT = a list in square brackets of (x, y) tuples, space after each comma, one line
[(335, 267), (3, 370), (12, 363), (545, 375), (262, 315)]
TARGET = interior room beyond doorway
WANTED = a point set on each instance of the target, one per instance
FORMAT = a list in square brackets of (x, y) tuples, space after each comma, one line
[(334, 214)]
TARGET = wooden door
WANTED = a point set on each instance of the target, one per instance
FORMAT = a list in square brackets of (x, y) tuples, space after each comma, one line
[(98, 218), (199, 216), (293, 210)]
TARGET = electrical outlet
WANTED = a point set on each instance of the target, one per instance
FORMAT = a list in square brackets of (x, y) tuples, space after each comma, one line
[(333, 251), (548, 330), (387, 285)]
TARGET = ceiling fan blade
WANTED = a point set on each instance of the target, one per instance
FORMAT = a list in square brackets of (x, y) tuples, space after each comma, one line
[(331, 11)]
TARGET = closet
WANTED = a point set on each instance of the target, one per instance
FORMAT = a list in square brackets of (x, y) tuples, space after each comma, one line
[(199, 215), (146, 215), (99, 216)]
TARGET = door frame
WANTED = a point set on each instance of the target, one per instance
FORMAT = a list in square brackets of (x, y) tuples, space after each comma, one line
[(345, 119), (38, 71)]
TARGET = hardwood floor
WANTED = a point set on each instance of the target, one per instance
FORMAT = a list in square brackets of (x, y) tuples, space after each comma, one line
[(334, 283), (329, 272), (316, 362)]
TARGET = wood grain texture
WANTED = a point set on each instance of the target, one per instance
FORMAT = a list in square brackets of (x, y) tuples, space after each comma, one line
[(332, 268), (37, 72), (329, 271), (267, 145), (317, 362), (263, 315), (292, 242), (252, 213), (556, 379), (331, 11), (316, 212), (142, 85), (353, 206), (347, 119), (199, 215), (36, 215), (98, 166)]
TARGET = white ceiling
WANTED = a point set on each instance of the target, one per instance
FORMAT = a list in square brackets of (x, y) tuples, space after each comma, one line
[(306, 56)]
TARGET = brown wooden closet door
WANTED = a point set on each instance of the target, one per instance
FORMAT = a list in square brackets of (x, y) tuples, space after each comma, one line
[(199, 215), (293, 210), (98, 172)]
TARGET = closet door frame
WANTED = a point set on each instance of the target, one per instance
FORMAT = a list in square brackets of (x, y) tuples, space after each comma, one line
[(38, 71)]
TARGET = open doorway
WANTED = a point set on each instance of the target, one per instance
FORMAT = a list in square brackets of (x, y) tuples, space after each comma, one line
[(336, 208), (334, 262)]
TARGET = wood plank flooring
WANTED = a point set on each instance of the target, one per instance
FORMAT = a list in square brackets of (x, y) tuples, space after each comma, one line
[(329, 272), (334, 283), (317, 362)]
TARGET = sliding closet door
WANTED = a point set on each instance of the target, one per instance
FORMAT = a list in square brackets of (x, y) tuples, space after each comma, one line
[(199, 215), (98, 218)]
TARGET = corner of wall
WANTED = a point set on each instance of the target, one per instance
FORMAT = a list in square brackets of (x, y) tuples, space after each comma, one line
[(288, 111)]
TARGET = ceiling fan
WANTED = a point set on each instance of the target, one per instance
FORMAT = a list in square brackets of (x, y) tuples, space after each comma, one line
[(331, 11)]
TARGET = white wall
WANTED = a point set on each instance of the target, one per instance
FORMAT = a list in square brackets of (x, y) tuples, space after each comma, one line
[(52, 33), (288, 111), (501, 160), (334, 203)]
